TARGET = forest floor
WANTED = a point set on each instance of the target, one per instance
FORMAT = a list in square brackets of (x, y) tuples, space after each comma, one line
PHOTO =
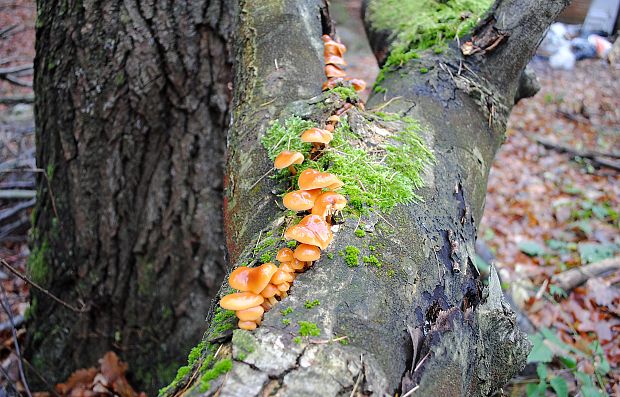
[(546, 212)]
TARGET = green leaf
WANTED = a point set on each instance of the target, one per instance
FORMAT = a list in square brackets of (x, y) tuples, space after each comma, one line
[(536, 390), (593, 252), (531, 248), (541, 370), (559, 386), (600, 211), (540, 352), (568, 362), (591, 391), (551, 337)]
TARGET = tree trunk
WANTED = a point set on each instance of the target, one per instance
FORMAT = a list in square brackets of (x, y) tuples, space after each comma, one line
[(423, 324), (131, 110)]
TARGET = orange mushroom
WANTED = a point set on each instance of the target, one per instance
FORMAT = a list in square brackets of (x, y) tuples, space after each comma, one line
[(285, 255), (281, 276), (313, 179), (241, 301), (287, 158), (317, 136), (358, 84), (307, 253), (247, 325), (297, 264), (331, 47), (252, 279), (251, 314), (334, 60), (334, 71), (312, 230), (331, 83), (328, 203), (300, 200)]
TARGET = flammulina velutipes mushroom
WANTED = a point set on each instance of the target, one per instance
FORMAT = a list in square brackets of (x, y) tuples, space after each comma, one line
[(262, 286)]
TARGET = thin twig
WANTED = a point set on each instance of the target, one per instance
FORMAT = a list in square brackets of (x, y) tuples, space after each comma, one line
[(41, 289), (260, 179), (9, 380), (357, 381), (20, 364), (410, 392), (385, 104), (49, 386)]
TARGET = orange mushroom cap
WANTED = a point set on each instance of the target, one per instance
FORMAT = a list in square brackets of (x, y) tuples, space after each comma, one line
[(312, 230), (281, 276), (317, 135), (358, 84), (327, 203), (332, 47), (297, 264), (247, 325), (284, 287), (241, 301), (333, 119), (285, 255), (287, 267), (287, 158), (334, 60), (334, 71), (252, 279), (329, 127), (251, 314), (313, 179), (269, 291), (300, 200), (307, 253)]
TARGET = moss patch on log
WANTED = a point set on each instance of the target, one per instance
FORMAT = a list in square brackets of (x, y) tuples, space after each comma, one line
[(428, 24), (383, 178)]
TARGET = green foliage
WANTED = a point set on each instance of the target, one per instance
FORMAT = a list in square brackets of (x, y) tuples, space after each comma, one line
[(531, 248), (360, 233), (266, 257), (307, 328), (351, 256), (594, 252), (370, 180), (330, 255), (545, 343), (286, 321), (223, 320), (297, 340), (310, 304)]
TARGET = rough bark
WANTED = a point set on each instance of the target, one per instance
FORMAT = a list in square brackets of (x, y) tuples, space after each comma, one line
[(430, 326), (131, 109)]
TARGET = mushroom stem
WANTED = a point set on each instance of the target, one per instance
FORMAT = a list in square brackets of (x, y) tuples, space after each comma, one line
[(292, 169)]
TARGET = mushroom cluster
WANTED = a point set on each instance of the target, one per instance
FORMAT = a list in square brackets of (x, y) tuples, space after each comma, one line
[(261, 287), (333, 52)]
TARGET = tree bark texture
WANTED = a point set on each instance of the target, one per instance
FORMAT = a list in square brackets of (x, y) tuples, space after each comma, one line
[(131, 112), (430, 328)]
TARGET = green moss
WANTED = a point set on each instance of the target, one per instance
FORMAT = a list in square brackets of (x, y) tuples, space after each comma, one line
[(436, 22), (286, 321), (287, 311), (219, 368), (390, 273), (307, 328), (297, 340), (244, 341), (223, 320), (372, 260), (119, 79), (37, 263), (372, 248), (291, 244), (423, 70), (370, 180), (351, 256), (346, 93), (360, 233), (183, 371), (310, 304), (50, 171), (330, 255), (266, 257)]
